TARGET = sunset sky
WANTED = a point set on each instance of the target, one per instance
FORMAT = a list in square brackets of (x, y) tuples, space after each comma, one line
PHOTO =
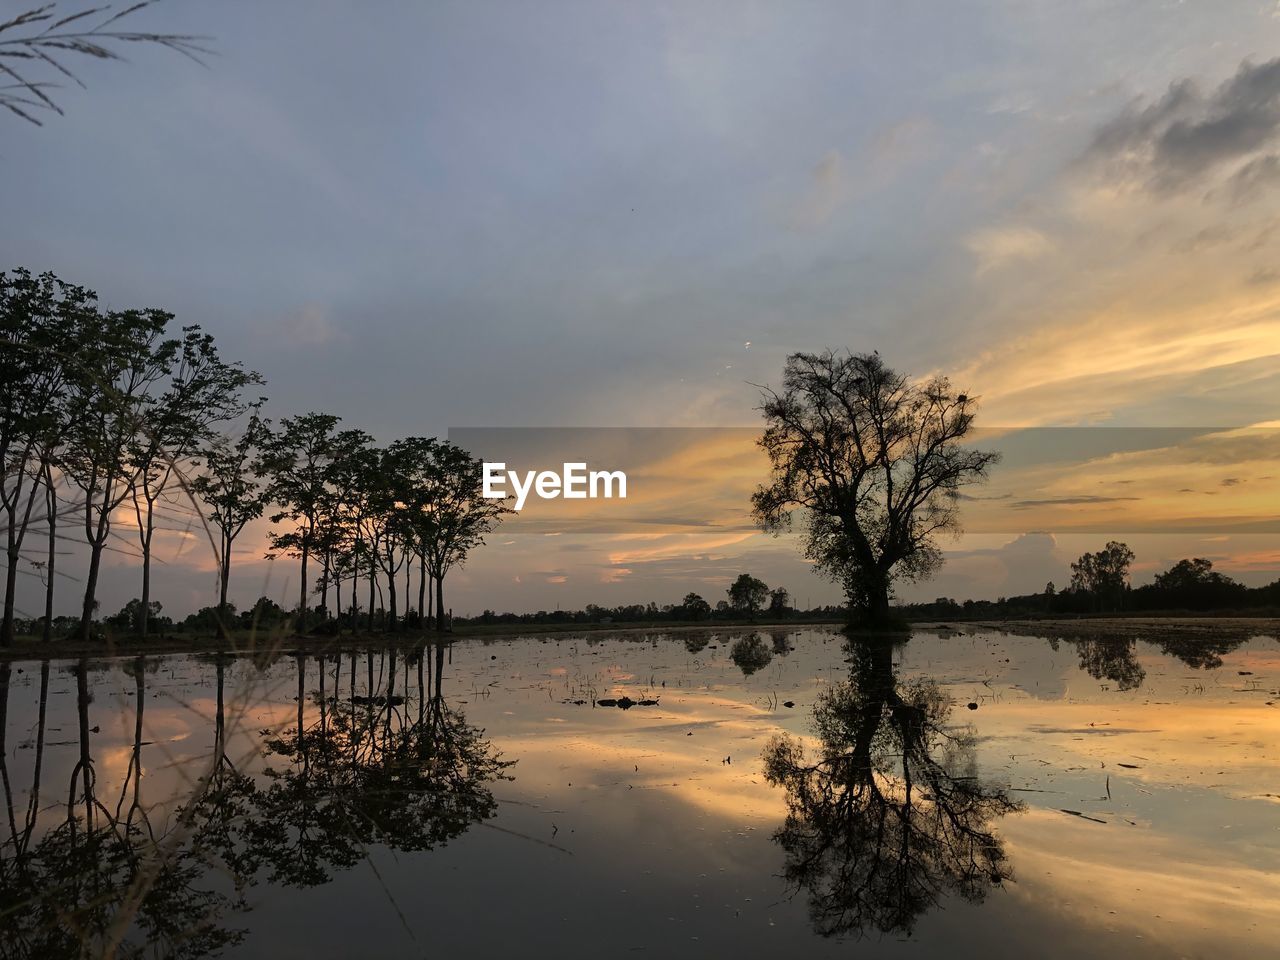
[(424, 216)]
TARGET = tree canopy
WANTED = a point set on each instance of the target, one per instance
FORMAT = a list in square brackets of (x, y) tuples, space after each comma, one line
[(876, 463)]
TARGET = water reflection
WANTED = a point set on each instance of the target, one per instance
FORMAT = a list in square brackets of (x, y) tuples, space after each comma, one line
[(891, 816), (399, 769), (102, 880), (149, 804), (750, 653), (371, 769), (1111, 659)]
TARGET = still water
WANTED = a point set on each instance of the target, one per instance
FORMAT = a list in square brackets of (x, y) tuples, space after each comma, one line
[(737, 794)]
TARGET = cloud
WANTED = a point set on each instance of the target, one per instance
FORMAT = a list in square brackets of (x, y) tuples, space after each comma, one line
[(828, 189), (310, 325), (1068, 501), (1186, 137), (997, 246)]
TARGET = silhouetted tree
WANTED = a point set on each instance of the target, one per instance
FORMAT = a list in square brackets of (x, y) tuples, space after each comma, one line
[(115, 389), (779, 602), (42, 323), (875, 461), (452, 516), (202, 390), (747, 595), (298, 459), (1195, 585), (234, 493), (694, 607), (1104, 575)]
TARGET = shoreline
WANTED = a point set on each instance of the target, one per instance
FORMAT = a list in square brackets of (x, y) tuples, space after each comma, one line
[(280, 642)]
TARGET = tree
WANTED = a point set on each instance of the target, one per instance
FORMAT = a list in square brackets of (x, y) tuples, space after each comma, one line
[(355, 481), (298, 459), (875, 461), (112, 393), (203, 390), (1103, 575), (748, 595), (451, 513), (693, 607), (779, 602), (42, 38), (234, 493), (1194, 584), (41, 319), (131, 615)]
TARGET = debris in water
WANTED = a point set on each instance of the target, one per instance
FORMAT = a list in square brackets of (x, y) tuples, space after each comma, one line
[(1083, 816), (625, 703)]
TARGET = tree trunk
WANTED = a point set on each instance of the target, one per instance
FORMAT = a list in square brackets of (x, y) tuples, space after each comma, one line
[(90, 591), (373, 582), (392, 625), (324, 587), (440, 604), (423, 614), (17, 530), (224, 578), (51, 505), (869, 605), (10, 586), (144, 613), (302, 591)]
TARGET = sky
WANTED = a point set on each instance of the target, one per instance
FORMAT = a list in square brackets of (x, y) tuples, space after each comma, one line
[(425, 216)]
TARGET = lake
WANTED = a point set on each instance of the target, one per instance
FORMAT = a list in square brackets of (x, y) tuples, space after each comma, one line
[(753, 793)]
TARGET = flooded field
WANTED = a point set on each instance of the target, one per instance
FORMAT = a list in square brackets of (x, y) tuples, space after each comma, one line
[(766, 793)]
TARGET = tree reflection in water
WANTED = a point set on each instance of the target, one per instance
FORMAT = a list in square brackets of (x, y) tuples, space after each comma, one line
[(372, 769), (101, 881), (381, 767), (890, 817), (750, 653), (1115, 659)]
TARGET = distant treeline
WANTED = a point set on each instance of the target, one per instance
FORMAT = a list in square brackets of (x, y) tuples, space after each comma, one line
[(1100, 584), (747, 599), (652, 612)]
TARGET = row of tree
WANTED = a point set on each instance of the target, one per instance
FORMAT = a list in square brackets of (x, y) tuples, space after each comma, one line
[(109, 411)]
